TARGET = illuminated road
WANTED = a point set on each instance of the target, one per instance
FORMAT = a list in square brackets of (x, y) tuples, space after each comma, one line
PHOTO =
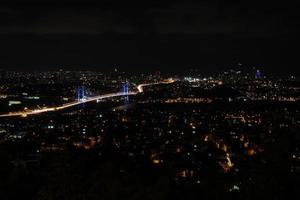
[(168, 81), (67, 105), (25, 113)]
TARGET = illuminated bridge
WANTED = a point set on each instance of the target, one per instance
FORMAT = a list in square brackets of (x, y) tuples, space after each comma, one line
[(83, 99)]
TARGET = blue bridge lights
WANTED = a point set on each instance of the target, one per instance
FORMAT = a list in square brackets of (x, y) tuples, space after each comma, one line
[(126, 91), (81, 94)]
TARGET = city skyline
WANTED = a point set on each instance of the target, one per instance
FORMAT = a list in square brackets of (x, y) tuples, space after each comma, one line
[(149, 99), (220, 136)]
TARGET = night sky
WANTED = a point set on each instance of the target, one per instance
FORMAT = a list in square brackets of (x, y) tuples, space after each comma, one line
[(150, 35)]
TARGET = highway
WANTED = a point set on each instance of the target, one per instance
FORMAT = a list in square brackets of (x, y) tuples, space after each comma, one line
[(25, 113), (141, 86)]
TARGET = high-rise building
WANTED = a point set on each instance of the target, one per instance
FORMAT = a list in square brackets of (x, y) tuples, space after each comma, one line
[(258, 74)]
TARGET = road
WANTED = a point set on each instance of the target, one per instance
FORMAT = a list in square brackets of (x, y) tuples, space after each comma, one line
[(25, 113), (141, 86)]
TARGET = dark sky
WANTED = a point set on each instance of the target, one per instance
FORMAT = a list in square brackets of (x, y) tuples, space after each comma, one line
[(149, 35)]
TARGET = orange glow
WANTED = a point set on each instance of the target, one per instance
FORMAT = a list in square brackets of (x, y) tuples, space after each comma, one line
[(156, 161), (251, 152)]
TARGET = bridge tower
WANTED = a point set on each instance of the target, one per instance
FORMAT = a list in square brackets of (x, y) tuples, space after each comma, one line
[(126, 90), (81, 94)]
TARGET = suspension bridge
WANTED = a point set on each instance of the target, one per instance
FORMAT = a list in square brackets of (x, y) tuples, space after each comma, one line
[(82, 98)]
